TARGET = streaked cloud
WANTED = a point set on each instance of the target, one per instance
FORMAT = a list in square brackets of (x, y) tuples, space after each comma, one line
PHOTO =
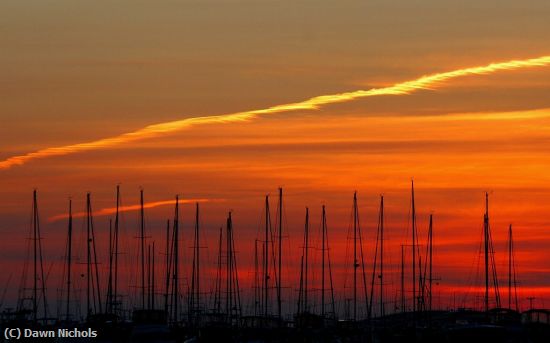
[(425, 82)]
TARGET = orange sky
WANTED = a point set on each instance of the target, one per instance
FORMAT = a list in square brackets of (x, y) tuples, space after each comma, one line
[(79, 73)]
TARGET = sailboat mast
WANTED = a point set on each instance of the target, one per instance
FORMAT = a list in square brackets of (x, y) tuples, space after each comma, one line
[(197, 247), (266, 260), (229, 272), (95, 264), (153, 277), (486, 248), (218, 297), (323, 233), (403, 278), (430, 247), (306, 262), (382, 309), (115, 294), (279, 285), (89, 256), (333, 308), (167, 251), (234, 308), (142, 247), (413, 221), (355, 264), (195, 287), (37, 262), (516, 307), (175, 292), (511, 270), (35, 256), (256, 300), (109, 298), (69, 253), (148, 276)]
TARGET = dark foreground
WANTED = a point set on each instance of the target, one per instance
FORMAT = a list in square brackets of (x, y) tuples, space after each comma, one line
[(498, 325)]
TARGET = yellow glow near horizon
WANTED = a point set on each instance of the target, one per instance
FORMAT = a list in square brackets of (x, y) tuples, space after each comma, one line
[(425, 82)]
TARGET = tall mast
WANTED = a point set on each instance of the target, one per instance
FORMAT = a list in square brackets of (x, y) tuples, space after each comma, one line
[(326, 245), (378, 263), (403, 279), (175, 292), (229, 272), (266, 260), (511, 271), (153, 277), (113, 259), (430, 276), (115, 292), (510, 266), (198, 263), (69, 253), (89, 257), (168, 267), (109, 299), (355, 262), (195, 278), (302, 296), (280, 273), (382, 309), (38, 262), (256, 297), (413, 220), (233, 300), (486, 248), (95, 264), (323, 234), (142, 247), (306, 260), (92, 254), (35, 261), (148, 276), (489, 258), (218, 295)]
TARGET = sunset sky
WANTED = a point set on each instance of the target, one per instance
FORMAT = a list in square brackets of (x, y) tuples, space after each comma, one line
[(76, 72)]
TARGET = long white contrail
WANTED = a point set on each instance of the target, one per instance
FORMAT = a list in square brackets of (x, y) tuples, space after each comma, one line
[(425, 82)]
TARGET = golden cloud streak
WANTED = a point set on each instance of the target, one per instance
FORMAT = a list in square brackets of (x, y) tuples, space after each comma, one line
[(129, 208), (425, 82)]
